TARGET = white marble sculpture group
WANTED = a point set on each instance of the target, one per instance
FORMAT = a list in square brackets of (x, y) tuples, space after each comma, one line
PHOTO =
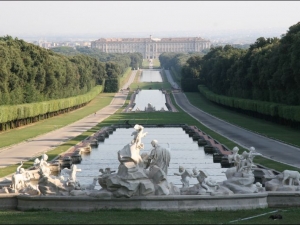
[(146, 174)]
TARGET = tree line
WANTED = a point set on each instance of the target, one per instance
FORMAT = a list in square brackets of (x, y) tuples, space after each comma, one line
[(115, 63), (38, 83), (268, 71), (178, 64), (29, 73), (263, 79)]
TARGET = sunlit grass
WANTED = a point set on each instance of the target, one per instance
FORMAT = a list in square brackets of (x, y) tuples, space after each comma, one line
[(125, 77)]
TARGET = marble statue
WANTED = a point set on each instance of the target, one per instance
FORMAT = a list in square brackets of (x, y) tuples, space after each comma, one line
[(235, 157), (71, 173), (204, 183), (104, 175), (30, 190), (205, 186), (20, 169), (138, 175), (51, 185), (20, 178), (288, 180), (138, 134), (42, 163), (240, 178), (159, 156), (185, 175), (259, 187), (246, 162), (291, 176)]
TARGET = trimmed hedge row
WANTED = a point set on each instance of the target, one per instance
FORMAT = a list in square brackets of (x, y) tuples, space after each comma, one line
[(287, 112), (17, 112)]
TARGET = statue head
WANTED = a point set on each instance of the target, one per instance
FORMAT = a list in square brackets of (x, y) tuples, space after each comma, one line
[(252, 149), (235, 149), (138, 127), (154, 143), (195, 170), (44, 157), (245, 155), (181, 168)]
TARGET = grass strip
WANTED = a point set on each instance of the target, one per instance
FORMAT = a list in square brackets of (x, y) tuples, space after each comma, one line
[(136, 216), (263, 127)]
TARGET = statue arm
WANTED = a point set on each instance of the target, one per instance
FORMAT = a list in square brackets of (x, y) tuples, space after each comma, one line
[(178, 174)]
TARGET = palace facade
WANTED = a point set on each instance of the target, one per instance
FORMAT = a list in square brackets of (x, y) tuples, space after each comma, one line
[(151, 48)]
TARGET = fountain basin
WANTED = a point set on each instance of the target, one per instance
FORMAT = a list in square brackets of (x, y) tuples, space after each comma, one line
[(168, 203)]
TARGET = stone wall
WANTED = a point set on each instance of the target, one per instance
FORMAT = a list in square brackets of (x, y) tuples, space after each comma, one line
[(169, 203)]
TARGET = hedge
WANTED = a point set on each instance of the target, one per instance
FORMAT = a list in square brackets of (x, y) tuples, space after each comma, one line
[(286, 112), (17, 112)]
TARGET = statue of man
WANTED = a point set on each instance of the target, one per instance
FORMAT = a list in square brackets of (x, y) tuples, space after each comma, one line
[(159, 156)]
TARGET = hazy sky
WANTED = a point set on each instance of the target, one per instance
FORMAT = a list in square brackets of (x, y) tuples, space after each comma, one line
[(19, 18)]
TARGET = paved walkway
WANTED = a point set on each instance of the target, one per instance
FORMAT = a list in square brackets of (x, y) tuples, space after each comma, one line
[(269, 148), (39, 145)]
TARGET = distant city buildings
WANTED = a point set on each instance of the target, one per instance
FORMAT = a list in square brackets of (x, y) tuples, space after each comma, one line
[(52, 44), (151, 48)]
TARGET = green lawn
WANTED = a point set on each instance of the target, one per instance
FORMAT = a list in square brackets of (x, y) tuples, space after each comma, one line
[(260, 216)]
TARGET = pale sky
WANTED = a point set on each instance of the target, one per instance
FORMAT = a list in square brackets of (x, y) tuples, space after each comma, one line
[(19, 18)]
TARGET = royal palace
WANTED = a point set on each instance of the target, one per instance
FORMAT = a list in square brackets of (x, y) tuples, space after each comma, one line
[(151, 47)]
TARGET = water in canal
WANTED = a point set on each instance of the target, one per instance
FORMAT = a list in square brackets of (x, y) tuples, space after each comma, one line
[(155, 97), (151, 76), (184, 152)]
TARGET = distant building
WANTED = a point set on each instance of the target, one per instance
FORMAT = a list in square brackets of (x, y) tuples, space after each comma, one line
[(151, 48)]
